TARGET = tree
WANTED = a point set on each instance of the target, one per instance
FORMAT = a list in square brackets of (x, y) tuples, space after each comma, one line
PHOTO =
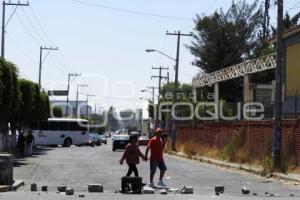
[(223, 39), (9, 97), (288, 22), (57, 112)]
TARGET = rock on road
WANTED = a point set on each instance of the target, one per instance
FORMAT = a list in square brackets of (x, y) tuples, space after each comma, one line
[(78, 167)]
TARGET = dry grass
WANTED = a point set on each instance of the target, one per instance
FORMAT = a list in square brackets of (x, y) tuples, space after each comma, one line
[(194, 149)]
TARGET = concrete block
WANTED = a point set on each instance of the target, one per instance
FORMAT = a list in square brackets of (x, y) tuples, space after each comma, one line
[(163, 191), (44, 188), (95, 188), (33, 187), (187, 190), (148, 190), (219, 189), (245, 190), (69, 191), (62, 188), (6, 169)]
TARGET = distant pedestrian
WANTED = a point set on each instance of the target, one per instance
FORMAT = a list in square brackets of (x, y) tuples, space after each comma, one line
[(21, 144), (156, 147), (29, 143), (132, 156)]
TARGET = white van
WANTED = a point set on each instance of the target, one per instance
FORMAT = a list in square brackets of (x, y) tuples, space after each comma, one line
[(61, 131)]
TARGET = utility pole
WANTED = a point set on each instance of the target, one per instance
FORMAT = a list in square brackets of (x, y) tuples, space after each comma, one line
[(160, 77), (87, 103), (178, 34), (266, 19), (4, 23), (278, 92), (153, 93), (41, 61), (78, 86), (69, 77), (168, 77)]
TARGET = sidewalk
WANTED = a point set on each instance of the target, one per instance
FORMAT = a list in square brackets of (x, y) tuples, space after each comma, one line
[(295, 178)]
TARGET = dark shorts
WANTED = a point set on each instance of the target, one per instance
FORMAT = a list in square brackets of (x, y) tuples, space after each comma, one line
[(160, 164)]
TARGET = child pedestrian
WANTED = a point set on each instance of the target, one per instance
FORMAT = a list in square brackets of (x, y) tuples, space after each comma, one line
[(132, 156)]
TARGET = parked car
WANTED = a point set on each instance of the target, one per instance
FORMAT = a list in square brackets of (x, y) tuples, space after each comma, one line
[(103, 139), (143, 141), (120, 142), (136, 134), (94, 139)]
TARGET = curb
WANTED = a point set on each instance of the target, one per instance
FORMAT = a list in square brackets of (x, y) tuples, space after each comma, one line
[(235, 166), (15, 186)]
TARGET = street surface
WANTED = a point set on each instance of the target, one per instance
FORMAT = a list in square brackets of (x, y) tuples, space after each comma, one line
[(79, 166)]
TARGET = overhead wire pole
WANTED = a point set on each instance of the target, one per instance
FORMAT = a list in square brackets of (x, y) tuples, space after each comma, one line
[(278, 92), (78, 86), (69, 76), (4, 24), (179, 35), (160, 77), (41, 61)]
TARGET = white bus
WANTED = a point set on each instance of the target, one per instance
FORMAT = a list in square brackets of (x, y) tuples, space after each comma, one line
[(61, 131)]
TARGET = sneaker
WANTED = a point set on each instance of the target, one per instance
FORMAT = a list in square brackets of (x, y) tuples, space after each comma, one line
[(152, 185), (161, 183)]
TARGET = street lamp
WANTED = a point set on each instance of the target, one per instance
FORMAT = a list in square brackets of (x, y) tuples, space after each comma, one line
[(154, 50)]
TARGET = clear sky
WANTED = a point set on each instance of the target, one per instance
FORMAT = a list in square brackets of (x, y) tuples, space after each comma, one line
[(106, 45)]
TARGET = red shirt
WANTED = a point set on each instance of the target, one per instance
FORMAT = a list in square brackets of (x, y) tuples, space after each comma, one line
[(132, 154), (156, 147)]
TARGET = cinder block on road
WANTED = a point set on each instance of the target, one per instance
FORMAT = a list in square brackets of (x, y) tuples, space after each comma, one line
[(219, 189), (69, 191), (95, 188), (187, 190), (33, 187), (148, 190), (44, 188), (245, 190), (163, 191), (62, 188)]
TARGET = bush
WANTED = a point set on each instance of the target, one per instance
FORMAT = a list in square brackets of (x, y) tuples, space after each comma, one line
[(267, 164)]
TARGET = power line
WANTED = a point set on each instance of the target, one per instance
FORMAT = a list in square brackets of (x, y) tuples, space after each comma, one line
[(34, 29), (26, 29), (46, 39), (20, 49), (130, 11), (41, 27)]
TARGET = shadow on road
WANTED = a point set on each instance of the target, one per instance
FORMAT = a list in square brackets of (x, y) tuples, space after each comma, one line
[(38, 151)]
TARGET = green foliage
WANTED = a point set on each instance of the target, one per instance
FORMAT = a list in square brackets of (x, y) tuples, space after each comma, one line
[(223, 39), (9, 94), (230, 149), (57, 112), (267, 164), (288, 22), (34, 105)]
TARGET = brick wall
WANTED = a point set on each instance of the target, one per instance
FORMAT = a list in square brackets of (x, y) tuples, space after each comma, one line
[(257, 136)]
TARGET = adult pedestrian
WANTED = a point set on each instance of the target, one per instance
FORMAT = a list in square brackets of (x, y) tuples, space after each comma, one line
[(156, 148), (21, 144), (29, 143)]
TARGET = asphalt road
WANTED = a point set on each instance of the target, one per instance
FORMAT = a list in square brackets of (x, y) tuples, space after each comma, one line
[(79, 166)]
